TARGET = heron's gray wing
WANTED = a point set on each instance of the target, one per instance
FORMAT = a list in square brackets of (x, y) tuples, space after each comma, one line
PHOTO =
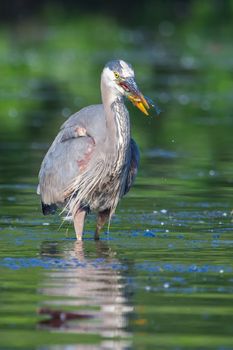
[(134, 164), (70, 152), (91, 119)]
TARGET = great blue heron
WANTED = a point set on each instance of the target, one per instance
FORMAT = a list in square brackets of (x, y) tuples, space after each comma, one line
[(93, 160)]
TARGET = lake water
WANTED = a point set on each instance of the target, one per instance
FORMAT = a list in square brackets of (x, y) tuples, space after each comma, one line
[(162, 278)]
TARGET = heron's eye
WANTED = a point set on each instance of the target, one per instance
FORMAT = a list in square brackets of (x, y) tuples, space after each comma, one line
[(117, 75)]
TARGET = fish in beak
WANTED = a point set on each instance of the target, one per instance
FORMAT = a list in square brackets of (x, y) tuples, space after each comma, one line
[(136, 97)]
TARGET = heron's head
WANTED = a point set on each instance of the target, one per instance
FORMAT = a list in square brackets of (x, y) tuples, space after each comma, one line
[(119, 77)]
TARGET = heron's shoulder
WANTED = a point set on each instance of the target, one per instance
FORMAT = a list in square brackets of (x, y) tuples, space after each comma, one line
[(86, 115)]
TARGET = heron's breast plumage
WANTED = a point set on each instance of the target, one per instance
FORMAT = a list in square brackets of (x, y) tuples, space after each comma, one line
[(112, 186)]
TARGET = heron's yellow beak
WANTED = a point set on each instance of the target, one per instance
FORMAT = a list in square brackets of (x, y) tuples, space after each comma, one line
[(140, 102), (134, 95)]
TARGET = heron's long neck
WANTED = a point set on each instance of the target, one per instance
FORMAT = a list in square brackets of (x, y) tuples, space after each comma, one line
[(118, 125)]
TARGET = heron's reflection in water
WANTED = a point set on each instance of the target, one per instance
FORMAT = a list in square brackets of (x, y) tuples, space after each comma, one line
[(88, 293)]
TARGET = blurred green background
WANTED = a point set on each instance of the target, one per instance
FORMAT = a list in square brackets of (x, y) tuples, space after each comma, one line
[(52, 54)]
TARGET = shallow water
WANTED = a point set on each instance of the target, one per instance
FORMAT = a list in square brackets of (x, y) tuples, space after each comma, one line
[(163, 276)]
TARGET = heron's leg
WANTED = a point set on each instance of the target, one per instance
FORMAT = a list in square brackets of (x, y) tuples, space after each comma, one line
[(101, 219), (79, 219)]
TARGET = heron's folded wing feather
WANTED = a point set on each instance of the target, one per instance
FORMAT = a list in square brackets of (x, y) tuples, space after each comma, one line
[(62, 164), (70, 152)]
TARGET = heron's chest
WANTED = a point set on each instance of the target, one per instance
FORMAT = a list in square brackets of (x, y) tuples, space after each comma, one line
[(111, 186)]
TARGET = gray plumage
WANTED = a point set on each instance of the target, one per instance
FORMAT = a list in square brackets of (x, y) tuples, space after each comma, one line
[(93, 160)]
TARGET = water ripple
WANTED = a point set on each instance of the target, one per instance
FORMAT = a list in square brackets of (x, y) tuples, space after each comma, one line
[(59, 263)]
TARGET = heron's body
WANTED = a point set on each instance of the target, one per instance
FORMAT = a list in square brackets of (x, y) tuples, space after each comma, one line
[(93, 149), (93, 160)]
